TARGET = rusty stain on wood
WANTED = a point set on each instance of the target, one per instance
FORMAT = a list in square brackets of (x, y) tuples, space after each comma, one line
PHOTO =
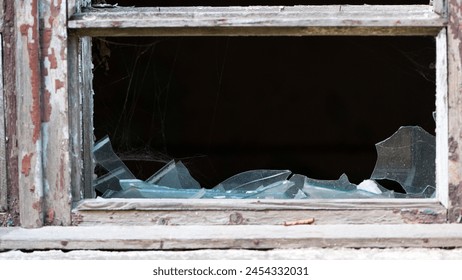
[(25, 164), (299, 222), (28, 89)]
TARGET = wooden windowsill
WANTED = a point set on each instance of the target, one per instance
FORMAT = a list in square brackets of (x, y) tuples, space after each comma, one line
[(231, 237)]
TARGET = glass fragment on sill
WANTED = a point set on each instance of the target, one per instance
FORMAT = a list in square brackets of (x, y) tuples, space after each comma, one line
[(407, 157)]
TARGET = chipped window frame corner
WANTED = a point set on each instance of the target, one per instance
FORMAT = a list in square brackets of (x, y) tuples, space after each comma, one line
[(386, 211)]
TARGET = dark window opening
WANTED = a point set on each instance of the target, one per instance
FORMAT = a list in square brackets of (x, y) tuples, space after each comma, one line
[(224, 105)]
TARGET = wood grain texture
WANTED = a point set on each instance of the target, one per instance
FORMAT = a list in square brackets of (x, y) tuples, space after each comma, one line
[(9, 83), (270, 212), (3, 153), (455, 110), (55, 113), (230, 237), (259, 20), (441, 120), (28, 89)]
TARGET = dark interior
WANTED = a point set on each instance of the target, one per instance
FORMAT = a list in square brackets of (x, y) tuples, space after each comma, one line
[(223, 105)]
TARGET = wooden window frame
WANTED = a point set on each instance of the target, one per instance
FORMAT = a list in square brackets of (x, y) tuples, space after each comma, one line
[(49, 197), (267, 21)]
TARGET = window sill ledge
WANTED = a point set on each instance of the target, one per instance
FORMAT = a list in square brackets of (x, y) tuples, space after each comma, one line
[(231, 237)]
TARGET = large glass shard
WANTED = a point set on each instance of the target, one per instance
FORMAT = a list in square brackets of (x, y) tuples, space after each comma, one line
[(105, 157), (407, 157), (174, 175), (253, 179), (138, 188)]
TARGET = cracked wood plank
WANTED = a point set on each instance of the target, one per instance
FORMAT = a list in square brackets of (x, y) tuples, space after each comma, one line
[(259, 20)]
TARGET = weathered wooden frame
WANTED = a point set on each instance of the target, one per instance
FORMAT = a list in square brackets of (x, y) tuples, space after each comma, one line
[(267, 21), (54, 133)]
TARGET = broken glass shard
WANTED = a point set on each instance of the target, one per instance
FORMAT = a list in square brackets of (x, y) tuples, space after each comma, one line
[(332, 189), (105, 157), (342, 184), (407, 157), (174, 175), (253, 179), (276, 190)]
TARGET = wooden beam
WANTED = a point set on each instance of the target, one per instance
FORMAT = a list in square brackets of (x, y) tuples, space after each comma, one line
[(455, 110), (230, 237), (259, 20), (55, 112), (11, 116), (28, 91), (3, 154), (441, 120)]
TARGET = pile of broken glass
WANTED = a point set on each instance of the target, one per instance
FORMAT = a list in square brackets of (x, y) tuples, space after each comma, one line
[(407, 157)]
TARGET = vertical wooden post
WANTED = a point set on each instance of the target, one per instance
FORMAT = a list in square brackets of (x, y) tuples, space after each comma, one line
[(442, 118), (81, 113), (9, 84), (28, 84), (3, 173), (75, 119), (55, 113), (87, 126), (455, 109)]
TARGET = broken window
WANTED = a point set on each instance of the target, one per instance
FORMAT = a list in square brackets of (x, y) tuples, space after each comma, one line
[(264, 117)]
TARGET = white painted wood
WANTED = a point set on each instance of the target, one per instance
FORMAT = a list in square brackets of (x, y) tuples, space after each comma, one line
[(259, 20), (442, 149), (3, 171), (230, 237), (28, 95)]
